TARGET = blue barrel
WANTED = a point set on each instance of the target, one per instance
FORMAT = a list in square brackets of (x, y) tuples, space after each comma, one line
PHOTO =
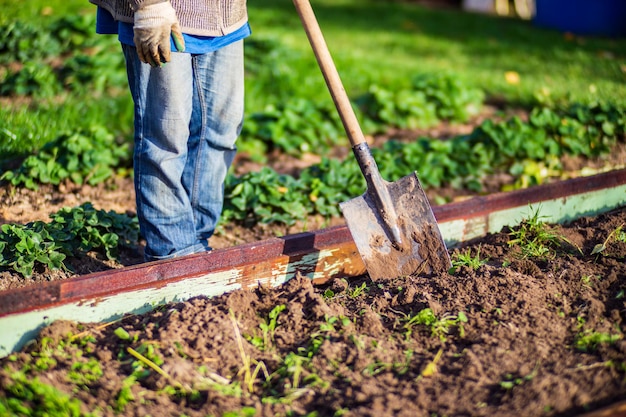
[(583, 17)]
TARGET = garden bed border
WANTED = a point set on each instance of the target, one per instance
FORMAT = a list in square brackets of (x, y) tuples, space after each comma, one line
[(320, 255)]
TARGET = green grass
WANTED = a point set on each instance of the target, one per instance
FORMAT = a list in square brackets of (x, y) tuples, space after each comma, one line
[(387, 43), (372, 42)]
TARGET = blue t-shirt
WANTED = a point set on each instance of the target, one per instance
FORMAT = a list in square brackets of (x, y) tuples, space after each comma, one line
[(194, 44)]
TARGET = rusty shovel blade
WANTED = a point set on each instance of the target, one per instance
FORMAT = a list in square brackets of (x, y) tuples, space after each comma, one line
[(420, 250)]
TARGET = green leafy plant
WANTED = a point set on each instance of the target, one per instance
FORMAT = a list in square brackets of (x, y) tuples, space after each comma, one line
[(85, 373), (268, 327), (405, 108), (264, 196), (357, 291), (32, 58), (32, 397), (24, 246), (453, 98), (439, 326), (430, 98), (588, 340), (295, 127), (71, 232), (82, 157)]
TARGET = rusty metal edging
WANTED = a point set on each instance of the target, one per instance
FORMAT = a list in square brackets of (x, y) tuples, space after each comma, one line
[(320, 255)]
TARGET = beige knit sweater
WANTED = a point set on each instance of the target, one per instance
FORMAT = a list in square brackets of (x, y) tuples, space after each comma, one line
[(196, 17)]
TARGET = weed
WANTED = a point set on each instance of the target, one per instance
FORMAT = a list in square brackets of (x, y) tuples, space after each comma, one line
[(466, 259), (125, 394), (23, 396), (85, 373), (357, 291), (588, 340), (618, 234), (249, 375), (535, 238), (268, 327), (439, 327), (510, 381)]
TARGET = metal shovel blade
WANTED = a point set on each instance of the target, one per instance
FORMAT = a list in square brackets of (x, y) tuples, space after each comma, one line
[(392, 223), (422, 249)]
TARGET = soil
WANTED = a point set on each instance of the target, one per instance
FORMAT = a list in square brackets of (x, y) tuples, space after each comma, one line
[(355, 348)]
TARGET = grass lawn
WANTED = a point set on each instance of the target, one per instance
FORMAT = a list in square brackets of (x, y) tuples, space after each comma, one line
[(372, 42)]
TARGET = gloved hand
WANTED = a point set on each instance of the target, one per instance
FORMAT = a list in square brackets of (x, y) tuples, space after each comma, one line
[(153, 26)]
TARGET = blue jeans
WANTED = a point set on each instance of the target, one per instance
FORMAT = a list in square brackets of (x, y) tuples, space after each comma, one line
[(188, 114)]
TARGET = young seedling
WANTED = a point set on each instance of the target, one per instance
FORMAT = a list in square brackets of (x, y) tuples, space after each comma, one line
[(439, 327), (510, 381), (588, 280), (588, 340), (268, 327), (358, 291), (466, 259), (249, 375), (431, 367), (535, 238), (618, 234)]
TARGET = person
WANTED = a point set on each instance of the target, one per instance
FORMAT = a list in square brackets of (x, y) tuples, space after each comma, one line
[(184, 62)]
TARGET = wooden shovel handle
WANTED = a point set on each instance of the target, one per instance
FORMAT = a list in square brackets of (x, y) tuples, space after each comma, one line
[(326, 64)]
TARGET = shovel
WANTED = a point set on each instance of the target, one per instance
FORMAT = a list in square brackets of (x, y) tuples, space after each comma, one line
[(392, 223)]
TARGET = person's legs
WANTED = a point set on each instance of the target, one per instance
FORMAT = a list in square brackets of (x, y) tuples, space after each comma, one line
[(215, 125), (163, 107), (188, 114)]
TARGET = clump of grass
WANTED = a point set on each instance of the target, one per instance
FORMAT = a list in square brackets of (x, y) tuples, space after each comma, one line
[(467, 259), (439, 326), (249, 374), (535, 237)]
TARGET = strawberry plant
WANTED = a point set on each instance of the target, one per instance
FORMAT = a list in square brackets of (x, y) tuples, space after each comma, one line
[(453, 99), (23, 246), (31, 57), (83, 228), (82, 157), (295, 127), (331, 182), (265, 197), (430, 98), (72, 232), (404, 108)]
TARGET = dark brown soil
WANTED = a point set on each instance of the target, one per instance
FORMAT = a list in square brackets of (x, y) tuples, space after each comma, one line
[(355, 349)]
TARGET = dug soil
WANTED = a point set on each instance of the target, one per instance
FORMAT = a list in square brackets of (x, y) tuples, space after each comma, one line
[(516, 336)]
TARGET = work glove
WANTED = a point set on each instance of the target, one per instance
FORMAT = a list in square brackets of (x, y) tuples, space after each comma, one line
[(153, 26)]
